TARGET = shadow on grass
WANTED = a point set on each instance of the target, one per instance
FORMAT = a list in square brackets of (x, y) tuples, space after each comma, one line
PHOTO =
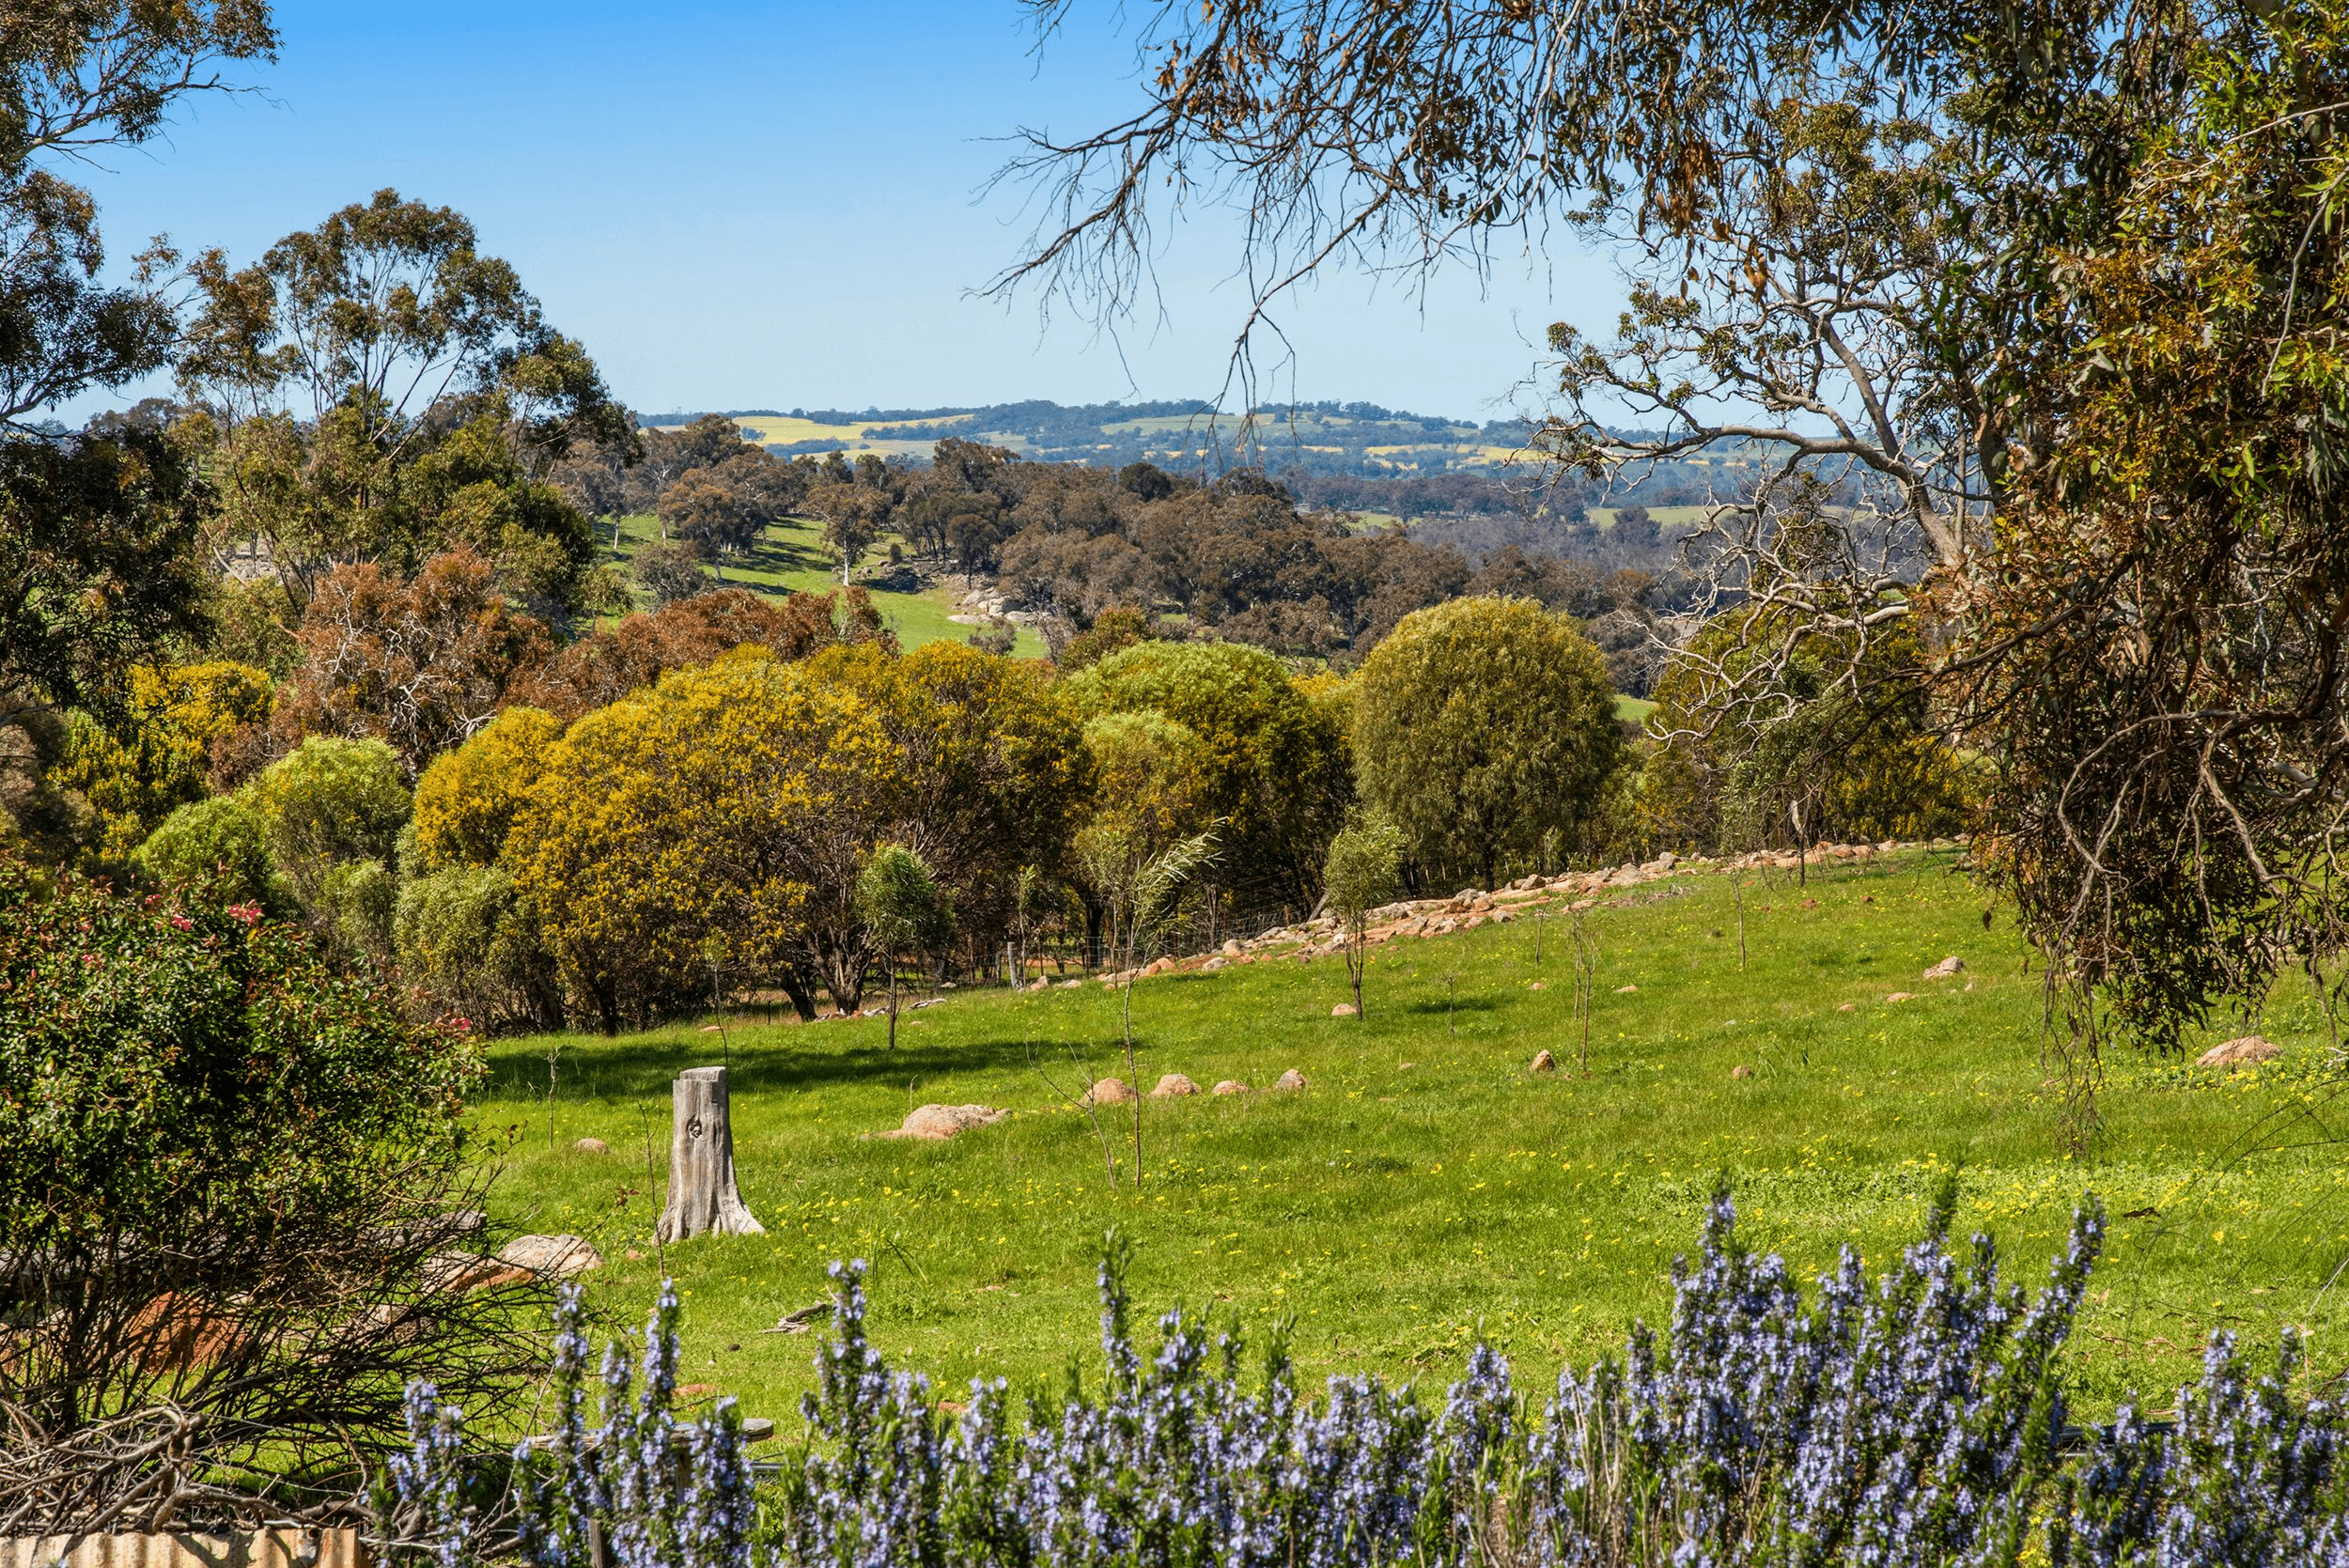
[(776, 1062), (1438, 1007)]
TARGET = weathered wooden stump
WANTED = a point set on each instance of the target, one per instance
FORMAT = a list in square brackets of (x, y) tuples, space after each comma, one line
[(702, 1196)]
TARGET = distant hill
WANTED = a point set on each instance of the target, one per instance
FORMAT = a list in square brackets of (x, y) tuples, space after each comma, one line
[(1304, 444)]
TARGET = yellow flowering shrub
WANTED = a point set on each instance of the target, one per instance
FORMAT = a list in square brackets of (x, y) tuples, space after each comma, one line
[(158, 756), (467, 800), (674, 829)]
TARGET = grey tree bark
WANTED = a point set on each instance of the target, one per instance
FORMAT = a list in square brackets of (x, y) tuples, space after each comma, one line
[(702, 1196)]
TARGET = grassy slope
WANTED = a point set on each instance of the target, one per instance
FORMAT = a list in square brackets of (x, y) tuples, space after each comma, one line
[(791, 557), (1396, 1208)]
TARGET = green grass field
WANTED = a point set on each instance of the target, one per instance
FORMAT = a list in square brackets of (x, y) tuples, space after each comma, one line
[(790, 558), (1424, 1188)]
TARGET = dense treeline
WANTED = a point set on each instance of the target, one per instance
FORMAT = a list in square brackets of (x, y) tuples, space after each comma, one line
[(1240, 558), (684, 804)]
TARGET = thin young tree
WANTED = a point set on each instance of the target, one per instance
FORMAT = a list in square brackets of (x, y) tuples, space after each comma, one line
[(1359, 876), (1143, 889), (905, 908)]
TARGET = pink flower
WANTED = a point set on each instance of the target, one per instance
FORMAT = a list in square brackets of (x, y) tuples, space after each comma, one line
[(462, 1026), (182, 923), (244, 912)]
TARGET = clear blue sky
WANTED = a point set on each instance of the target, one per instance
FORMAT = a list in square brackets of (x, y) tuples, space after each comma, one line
[(775, 205)]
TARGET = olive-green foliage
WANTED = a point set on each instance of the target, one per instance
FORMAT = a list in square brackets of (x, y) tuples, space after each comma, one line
[(1480, 726), (1275, 764), (331, 801), (1365, 860), (354, 907), (333, 811), (468, 938), (222, 843), (900, 900), (1150, 778)]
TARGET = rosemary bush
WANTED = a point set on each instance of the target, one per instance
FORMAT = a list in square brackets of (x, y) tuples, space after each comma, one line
[(1917, 1419)]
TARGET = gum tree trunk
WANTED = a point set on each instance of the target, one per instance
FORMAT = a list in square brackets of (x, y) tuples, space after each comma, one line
[(702, 1196)]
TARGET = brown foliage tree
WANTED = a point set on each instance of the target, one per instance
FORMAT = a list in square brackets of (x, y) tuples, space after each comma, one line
[(604, 666), (419, 665)]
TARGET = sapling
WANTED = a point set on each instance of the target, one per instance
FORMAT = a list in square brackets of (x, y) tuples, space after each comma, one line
[(1356, 878), (1143, 886), (904, 908)]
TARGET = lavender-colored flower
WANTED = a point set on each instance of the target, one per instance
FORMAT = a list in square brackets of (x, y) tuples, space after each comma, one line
[(1918, 1418)]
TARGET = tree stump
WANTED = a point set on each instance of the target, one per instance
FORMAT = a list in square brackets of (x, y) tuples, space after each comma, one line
[(702, 1196)]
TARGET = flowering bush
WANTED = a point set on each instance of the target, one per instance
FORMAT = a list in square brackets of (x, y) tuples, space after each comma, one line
[(1918, 1420), (226, 1170)]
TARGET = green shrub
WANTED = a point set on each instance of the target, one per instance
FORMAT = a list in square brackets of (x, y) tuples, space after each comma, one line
[(354, 908), (1481, 728), (470, 941), (223, 1164), (220, 845), (331, 801)]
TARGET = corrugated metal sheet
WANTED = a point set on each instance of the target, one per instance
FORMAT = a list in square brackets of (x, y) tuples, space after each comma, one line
[(290, 1548)]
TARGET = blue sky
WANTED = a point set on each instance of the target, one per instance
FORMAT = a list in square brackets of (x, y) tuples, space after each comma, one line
[(745, 205)]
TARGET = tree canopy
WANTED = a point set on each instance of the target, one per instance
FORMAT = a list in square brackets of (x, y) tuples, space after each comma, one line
[(1482, 725)]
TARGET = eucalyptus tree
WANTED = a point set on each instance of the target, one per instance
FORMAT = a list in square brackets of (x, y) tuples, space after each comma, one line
[(376, 388), (97, 530)]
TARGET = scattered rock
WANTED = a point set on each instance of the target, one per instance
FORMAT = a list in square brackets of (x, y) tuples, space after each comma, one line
[(1898, 996), (936, 1124), (1810, 902), (460, 1273), (1231, 1086), (1108, 1090), (1218, 961), (1625, 990), (1171, 1085), (1948, 969), (1231, 948), (1741, 1071), (591, 1146), (2247, 1051), (1848, 1007), (713, 1028), (1290, 1079), (1343, 1010), (1404, 1066), (1538, 985), (561, 1256), (1041, 984), (634, 1256), (1542, 1063), (1071, 984)]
